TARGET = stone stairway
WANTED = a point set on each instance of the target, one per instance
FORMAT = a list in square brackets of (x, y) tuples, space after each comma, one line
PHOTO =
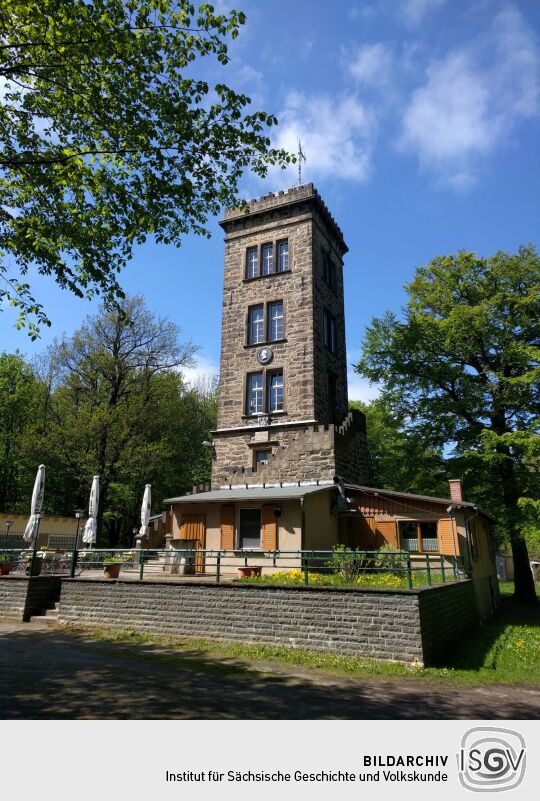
[(48, 615)]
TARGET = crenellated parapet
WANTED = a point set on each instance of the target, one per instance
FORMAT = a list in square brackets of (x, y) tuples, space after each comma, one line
[(295, 453)]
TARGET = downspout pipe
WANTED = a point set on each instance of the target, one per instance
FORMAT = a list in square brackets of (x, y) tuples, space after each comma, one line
[(302, 525)]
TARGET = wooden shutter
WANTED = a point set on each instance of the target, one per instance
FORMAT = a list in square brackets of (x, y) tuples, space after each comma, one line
[(268, 528), (387, 532), (446, 533), (227, 527)]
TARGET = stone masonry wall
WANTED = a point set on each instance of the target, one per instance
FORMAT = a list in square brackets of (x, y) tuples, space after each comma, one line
[(380, 624), (332, 300), (351, 449), (305, 453), (13, 591), (447, 614), (294, 355)]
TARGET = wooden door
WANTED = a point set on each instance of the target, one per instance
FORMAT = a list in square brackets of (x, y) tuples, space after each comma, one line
[(193, 528)]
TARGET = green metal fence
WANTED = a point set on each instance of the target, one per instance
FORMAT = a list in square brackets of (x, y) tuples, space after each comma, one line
[(339, 567)]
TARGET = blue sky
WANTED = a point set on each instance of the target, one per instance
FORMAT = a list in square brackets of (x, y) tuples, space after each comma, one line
[(420, 123)]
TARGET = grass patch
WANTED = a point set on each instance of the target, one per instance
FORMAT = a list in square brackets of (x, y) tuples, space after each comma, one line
[(506, 649)]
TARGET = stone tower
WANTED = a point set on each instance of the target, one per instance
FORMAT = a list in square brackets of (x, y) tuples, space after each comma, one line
[(283, 409)]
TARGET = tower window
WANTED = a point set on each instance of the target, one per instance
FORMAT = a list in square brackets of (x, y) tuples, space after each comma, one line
[(273, 257), (252, 263), (329, 330), (329, 271), (283, 256), (275, 321), (255, 393), (275, 392), (255, 325), (264, 393), (267, 259)]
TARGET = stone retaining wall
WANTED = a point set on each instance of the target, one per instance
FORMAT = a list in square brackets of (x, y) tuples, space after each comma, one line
[(446, 612), (401, 625), (13, 591)]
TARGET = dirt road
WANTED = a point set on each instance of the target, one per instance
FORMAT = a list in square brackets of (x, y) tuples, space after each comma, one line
[(47, 672)]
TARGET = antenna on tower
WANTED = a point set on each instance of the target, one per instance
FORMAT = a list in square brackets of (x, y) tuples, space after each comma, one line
[(301, 158)]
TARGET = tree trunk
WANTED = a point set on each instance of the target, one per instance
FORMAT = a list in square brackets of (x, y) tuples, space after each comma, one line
[(524, 589)]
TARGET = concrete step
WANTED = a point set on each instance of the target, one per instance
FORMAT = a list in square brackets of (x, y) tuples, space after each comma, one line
[(50, 618), (47, 615)]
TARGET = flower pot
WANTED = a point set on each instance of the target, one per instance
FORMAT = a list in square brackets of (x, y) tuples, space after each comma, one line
[(247, 572), (112, 569), (6, 568)]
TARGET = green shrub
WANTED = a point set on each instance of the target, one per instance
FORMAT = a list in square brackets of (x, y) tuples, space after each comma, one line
[(348, 564)]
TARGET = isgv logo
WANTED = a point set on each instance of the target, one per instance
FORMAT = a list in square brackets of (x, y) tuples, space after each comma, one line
[(491, 760)]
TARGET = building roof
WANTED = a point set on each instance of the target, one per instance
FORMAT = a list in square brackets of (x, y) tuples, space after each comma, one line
[(429, 498), (297, 491), (243, 493)]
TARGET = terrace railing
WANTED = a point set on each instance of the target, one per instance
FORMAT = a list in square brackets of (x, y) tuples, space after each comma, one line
[(340, 567)]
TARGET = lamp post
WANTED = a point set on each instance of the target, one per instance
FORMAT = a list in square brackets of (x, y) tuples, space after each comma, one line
[(78, 514), (8, 525)]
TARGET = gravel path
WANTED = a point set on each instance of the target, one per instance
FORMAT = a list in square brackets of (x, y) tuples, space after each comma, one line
[(47, 672)]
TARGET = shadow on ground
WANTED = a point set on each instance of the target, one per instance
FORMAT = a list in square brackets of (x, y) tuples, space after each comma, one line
[(52, 673)]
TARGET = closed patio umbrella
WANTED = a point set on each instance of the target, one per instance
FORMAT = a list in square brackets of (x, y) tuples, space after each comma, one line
[(90, 528), (32, 527), (145, 510)]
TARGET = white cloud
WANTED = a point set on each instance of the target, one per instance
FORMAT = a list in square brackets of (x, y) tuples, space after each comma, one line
[(337, 135), (472, 99), (371, 65), (204, 373), (413, 12), (362, 11)]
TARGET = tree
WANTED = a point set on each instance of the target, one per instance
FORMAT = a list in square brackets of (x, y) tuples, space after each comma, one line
[(115, 379), (20, 398), (400, 459), (463, 370), (107, 137)]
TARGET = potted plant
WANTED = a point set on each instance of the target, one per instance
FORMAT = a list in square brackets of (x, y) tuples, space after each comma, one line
[(111, 566), (6, 564)]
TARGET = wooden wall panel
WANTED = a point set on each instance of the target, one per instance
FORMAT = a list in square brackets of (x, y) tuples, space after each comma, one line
[(268, 528), (227, 527), (386, 533)]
